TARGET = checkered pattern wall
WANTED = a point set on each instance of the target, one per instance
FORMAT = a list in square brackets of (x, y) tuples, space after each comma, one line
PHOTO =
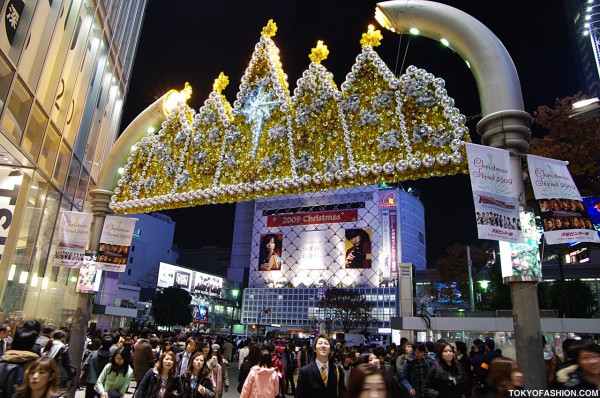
[(331, 271)]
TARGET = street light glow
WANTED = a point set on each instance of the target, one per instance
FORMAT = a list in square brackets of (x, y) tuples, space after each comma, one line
[(445, 42), (414, 31)]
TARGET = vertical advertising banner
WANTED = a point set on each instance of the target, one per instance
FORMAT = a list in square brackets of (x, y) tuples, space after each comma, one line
[(115, 243), (494, 194), (386, 244), (523, 259), (73, 239), (313, 248), (394, 244), (89, 276), (563, 213)]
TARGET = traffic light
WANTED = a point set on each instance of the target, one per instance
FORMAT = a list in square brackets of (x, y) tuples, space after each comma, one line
[(268, 311), (253, 326)]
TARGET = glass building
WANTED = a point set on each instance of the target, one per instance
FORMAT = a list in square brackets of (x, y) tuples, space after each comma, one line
[(64, 72), (296, 247)]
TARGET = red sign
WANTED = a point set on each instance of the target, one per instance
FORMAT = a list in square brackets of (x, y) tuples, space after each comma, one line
[(318, 217)]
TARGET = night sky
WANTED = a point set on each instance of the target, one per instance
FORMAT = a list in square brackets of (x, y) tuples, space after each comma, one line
[(193, 41)]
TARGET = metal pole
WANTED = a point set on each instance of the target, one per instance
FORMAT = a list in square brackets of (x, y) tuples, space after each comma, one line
[(505, 124), (470, 266)]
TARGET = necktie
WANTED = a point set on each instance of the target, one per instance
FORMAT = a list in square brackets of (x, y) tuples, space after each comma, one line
[(324, 374)]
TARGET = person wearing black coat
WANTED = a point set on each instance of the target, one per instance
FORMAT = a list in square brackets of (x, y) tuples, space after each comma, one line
[(14, 361), (162, 380), (310, 378), (251, 360), (196, 379), (94, 364), (446, 379)]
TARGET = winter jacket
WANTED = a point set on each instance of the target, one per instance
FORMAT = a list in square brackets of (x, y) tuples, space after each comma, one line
[(244, 372), (143, 358), (438, 383), (261, 383), (113, 380), (216, 375), (59, 352), (96, 363), (190, 386), (12, 369), (571, 378), (410, 378), (150, 382)]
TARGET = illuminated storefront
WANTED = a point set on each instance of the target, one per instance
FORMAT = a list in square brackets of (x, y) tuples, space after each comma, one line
[(64, 71)]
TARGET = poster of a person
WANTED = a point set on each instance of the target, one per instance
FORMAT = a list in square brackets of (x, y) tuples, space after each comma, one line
[(358, 248), (269, 258)]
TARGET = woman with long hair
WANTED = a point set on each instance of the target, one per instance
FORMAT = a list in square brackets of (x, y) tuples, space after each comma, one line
[(251, 360), (504, 375), (263, 379), (196, 379), (367, 380), (446, 378), (218, 368), (269, 255), (115, 376), (162, 380), (56, 349), (40, 380)]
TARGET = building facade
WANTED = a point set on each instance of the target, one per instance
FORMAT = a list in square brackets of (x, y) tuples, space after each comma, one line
[(303, 244), (64, 72)]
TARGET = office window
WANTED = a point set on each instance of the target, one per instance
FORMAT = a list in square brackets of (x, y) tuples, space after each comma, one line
[(15, 116), (62, 165), (49, 150), (32, 141)]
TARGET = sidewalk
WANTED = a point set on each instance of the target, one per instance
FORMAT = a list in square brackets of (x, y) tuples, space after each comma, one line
[(232, 393)]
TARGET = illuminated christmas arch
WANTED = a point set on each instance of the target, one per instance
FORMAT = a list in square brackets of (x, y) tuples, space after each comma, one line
[(376, 128)]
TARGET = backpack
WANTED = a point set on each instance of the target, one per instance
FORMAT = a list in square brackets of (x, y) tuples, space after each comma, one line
[(12, 376), (66, 371)]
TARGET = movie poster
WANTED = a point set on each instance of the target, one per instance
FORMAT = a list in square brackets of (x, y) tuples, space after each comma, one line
[(269, 255), (115, 243), (494, 194), (74, 235), (564, 216), (358, 249)]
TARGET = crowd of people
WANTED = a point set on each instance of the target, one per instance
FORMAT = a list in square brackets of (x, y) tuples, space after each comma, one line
[(35, 363)]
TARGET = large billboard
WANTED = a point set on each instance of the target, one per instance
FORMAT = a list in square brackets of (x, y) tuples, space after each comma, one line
[(190, 280), (321, 239)]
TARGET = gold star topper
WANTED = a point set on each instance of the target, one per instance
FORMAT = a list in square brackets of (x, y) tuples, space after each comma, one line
[(371, 38), (270, 29), (220, 83), (187, 91), (319, 53)]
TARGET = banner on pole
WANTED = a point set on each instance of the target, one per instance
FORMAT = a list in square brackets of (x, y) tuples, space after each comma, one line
[(563, 213), (89, 276), (73, 239), (521, 261), (494, 194), (115, 243)]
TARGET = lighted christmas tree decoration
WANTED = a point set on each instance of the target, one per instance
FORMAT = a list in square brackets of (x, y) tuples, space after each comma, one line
[(376, 128)]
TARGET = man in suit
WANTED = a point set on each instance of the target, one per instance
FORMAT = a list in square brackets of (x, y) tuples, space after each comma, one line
[(322, 377)]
